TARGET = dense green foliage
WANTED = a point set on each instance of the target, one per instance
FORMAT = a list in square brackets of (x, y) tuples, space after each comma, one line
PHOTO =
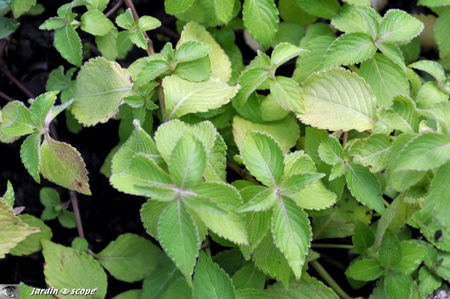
[(354, 143)]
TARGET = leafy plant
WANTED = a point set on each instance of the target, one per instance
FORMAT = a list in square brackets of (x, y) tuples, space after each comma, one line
[(350, 143)]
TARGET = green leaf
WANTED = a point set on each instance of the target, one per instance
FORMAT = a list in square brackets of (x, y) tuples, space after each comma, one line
[(433, 3), (287, 93), (364, 270), (191, 50), (170, 132), (30, 155), (125, 20), (152, 70), (285, 131), (330, 151), (424, 152), (179, 237), (63, 165), (313, 60), (413, 254), (96, 4), (350, 105), (315, 196), (130, 294), (49, 197), (230, 226), (13, 231), (429, 95), (9, 196), (262, 201), (350, 48), (261, 20), (284, 52), (401, 116), (67, 219), (16, 119), (187, 162), (138, 142), (49, 213), (129, 258), (69, 268), (399, 26), (429, 282), (183, 97), (258, 224), (7, 26), (224, 9), (68, 44), (250, 80), (321, 8), (263, 157), (393, 52), (359, 2), (271, 261), (217, 162), (390, 250), (352, 19), (147, 23), (339, 221), (220, 63), (19, 7), (292, 233), (431, 67), (96, 99), (270, 108), (363, 237), (400, 286), (144, 177), (288, 32), (305, 288), (440, 33), (53, 23), (32, 243), (249, 277), (150, 212), (79, 244), (176, 6), (372, 152), (296, 183), (41, 107), (292, 13), (364, 187), (439, 194), (96, 23), (161, 279), (386, 79), (210, 281), (197, 70)]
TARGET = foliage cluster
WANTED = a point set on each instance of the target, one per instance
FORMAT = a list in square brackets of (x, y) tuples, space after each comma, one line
[(355, 143)]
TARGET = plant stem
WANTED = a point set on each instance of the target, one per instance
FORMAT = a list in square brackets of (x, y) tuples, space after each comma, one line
[(329, 280), (332, 261), (73, 194), (76, 211), (6, 97), (16, 82), (150, 51), (338, 246), (130, 5), (344, 139), (114, 8), (241, 172)]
